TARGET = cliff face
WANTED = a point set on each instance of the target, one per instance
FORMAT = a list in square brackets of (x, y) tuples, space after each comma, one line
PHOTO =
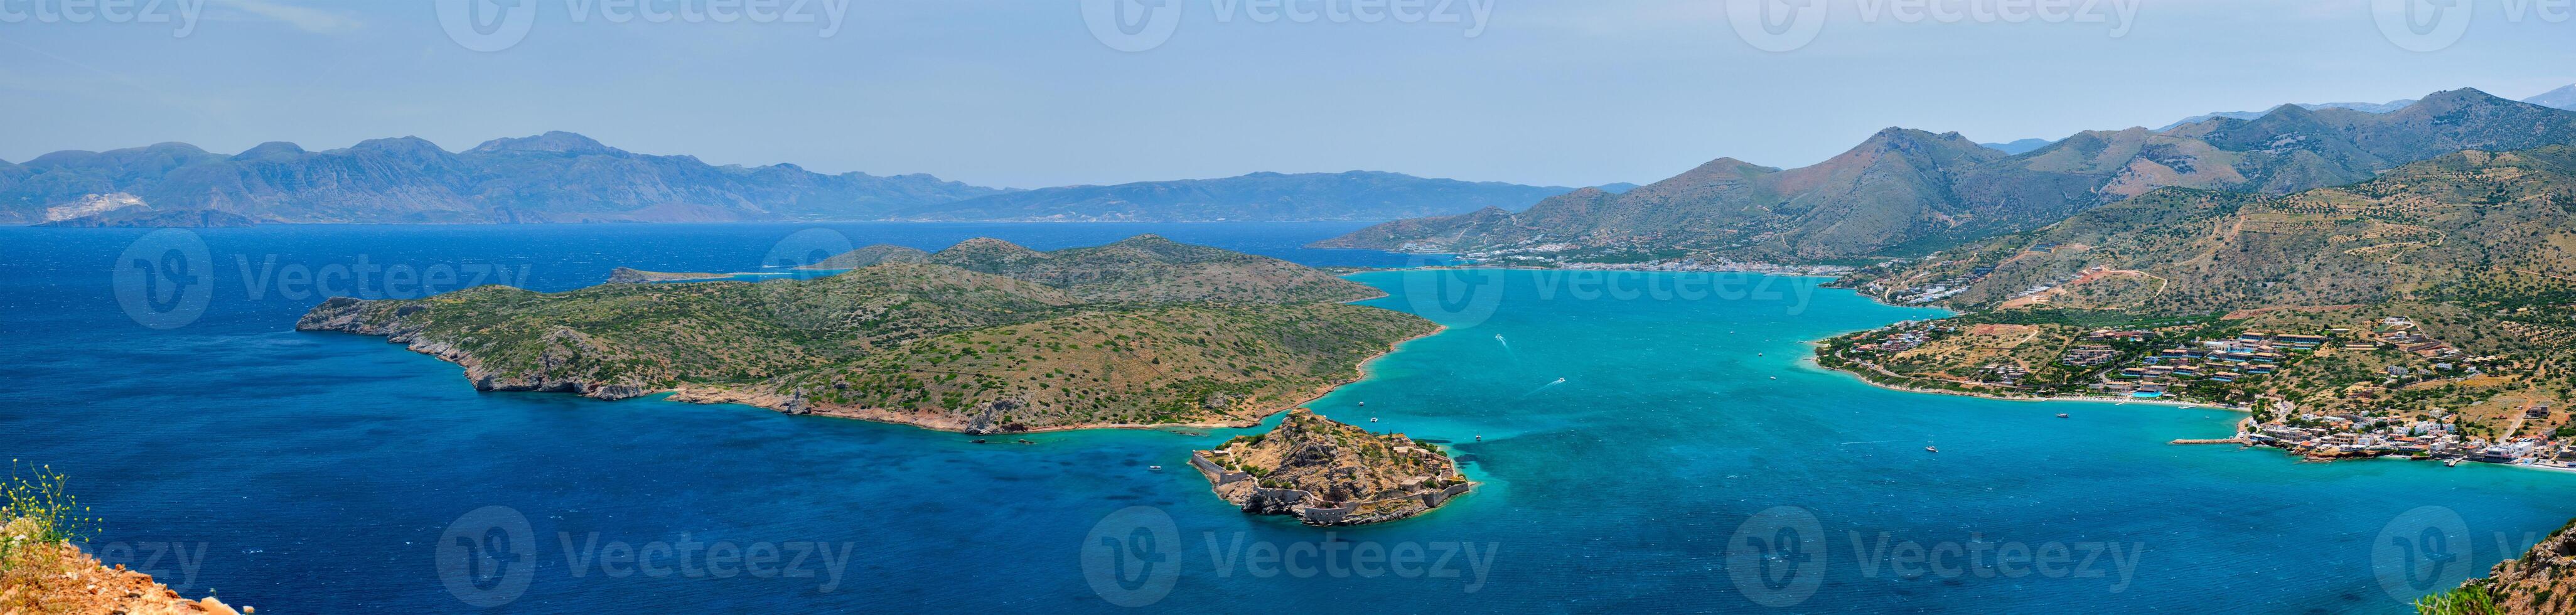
[(2542, 581), (1328, 473)]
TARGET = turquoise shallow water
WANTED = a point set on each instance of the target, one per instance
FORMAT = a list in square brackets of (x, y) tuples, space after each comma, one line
[(314, 472)]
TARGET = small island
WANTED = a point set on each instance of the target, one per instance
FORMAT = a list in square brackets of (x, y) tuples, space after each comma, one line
[(1327, 473)]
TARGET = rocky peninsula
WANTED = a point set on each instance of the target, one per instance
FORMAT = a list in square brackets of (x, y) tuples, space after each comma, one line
[(1327, 473)]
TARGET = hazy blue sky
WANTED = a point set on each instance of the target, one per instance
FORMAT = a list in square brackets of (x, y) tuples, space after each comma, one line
[(1022, 93)]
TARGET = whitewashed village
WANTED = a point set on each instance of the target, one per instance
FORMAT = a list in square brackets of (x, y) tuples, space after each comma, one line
[(2383, 388)]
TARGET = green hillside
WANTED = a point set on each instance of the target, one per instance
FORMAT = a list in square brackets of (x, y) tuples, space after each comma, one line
[(1143, 331), (2473, 226)]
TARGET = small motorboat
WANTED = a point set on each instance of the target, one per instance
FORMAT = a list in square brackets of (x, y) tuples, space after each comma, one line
[(1154, 468), (976, 441), (1931, 449), (2061, 415), (1372, 419), (1363, 404)]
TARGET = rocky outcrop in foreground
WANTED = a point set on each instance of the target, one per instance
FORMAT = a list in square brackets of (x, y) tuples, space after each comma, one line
[(2542, 581), (59, 578), (1327, 473)]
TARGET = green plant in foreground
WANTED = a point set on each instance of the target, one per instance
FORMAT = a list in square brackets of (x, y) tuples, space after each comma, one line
[(2467, 600), (36, 509)]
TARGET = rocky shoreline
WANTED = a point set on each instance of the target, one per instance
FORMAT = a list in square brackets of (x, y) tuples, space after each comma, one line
[(346, 315), (1865, 379)]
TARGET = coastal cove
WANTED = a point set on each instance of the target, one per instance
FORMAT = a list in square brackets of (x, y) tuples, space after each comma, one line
[(1620, 442)]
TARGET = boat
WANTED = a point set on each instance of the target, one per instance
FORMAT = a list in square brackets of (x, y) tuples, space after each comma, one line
[(976, 441), (2061, 415), (1931, 449), (1154, 468), (2453, 463)]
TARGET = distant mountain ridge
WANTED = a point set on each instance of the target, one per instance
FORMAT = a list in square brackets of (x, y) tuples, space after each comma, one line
[(1272, 197), (1912, 192), (2248, 115), (2019, 146), (2562, 98), (567, 177), (553, 177)]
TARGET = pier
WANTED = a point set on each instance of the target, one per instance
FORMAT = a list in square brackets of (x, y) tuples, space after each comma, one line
[(2235, 440)]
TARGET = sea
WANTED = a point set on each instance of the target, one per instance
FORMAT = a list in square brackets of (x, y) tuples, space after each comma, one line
[(1645, 442)]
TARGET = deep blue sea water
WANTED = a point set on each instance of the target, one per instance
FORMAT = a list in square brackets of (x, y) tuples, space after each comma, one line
[(1636, 431)]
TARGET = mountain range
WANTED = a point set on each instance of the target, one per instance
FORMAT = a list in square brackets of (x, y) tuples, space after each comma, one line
[(554, 177), (1902, 192), (2561, 98), (1355, 195), (2471, 225), (1908, 191), (566, 177), (2248, 115), (2017, 147)]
